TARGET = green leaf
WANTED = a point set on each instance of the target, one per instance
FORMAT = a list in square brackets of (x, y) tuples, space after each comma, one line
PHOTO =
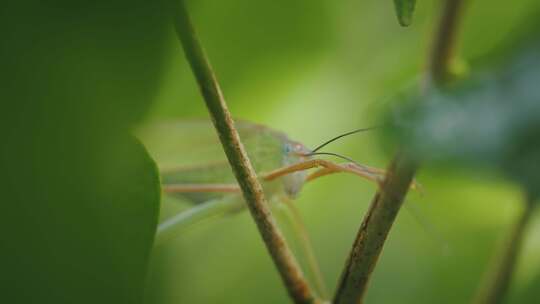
[(490, 120), (404, 11), (80, 196)]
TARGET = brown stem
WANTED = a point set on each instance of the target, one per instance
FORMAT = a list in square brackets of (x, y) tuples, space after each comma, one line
[(385, 205), (444, 44), (284, 260), (498, 278), (373, 232)]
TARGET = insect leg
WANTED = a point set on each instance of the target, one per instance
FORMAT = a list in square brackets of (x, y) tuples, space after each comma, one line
[(374, 175), (380, 174), (295, 219), (300, 166), (194, 188), (196, 214), (370, 173)]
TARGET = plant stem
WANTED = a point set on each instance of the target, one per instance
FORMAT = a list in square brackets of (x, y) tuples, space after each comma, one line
[(444, 45), (375, 227), (386, 204), (284, 260), (498, 278)]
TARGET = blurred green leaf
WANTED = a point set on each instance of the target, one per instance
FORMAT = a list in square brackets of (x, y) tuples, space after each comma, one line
[(404, 11), (80, 196), (491, 119)]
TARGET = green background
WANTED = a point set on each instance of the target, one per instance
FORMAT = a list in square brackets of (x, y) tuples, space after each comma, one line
[(315, 69), (80, 196)]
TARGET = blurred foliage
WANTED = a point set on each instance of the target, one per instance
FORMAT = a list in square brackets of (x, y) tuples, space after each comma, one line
[(489, 119), (80, 196), (404, 11)]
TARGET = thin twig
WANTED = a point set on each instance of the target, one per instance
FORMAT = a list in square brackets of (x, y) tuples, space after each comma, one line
[(385, 205), (498, 278), (284, 260), (444, 44)]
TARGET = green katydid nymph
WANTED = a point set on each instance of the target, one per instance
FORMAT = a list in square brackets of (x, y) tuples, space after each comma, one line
[(203, 176)]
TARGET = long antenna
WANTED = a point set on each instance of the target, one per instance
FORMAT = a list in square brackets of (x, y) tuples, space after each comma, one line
[(342, 135), (333, 154)]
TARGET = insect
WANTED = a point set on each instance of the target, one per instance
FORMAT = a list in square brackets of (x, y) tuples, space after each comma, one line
[(203, 176)]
